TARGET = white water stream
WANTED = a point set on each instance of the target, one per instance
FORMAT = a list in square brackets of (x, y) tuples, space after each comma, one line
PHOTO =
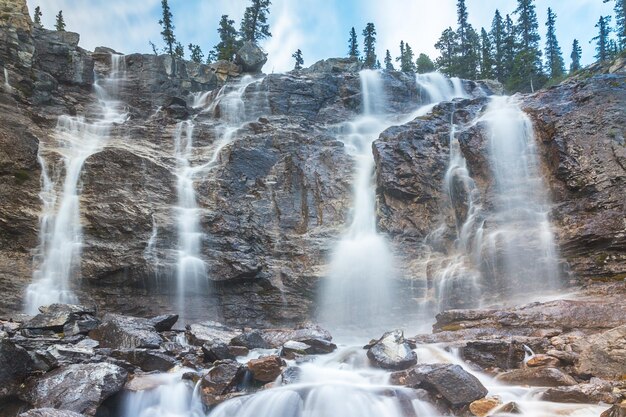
[(75, 139), (191, 269)]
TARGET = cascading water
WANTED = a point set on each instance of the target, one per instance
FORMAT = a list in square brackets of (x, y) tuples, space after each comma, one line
[(60, 239), (191, 270), (507, 250), (360, 284), (520, 237), (358, 288), (7, 84)]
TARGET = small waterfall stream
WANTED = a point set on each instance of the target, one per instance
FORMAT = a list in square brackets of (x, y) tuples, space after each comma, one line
[(60, 237), (7, 84), (191, 270)]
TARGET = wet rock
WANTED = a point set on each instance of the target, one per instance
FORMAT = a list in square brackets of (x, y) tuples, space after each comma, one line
[(266, 369), (508, 408), (15, 366), (502, 354), (216, 352), (482, 407), (252, 340), (125, 332), (176, 108), (542, 360), (50, 412), (291, 375), (221, 380), (567, 358), (291, 349), (452, 382), (605, 355), (336, 65), (210, 332), (392, 352), (164, 323), (69, 354), (618, 410), (313, 333), (80, 388), (146, 359), (60, 317), (540, 377), (250, 57), (594, 392)]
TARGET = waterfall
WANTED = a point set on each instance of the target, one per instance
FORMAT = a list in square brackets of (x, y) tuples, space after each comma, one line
[(519, 242), (507, 250), (7, 85), (191, 271), (360, 284), (57, 257)]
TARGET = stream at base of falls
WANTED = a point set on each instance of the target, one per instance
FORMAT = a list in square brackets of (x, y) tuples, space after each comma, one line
[(342, 383)]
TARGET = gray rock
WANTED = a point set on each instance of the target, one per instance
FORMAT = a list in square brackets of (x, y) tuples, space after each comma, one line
[(80, 388), (594, 392), (147, 360), (452, 382), (50, 412), (336, 65), (56, 317), (291, 375), (125, 332), (605, 354), (221, 380), (210, 332), (250, 57), (15, 366), (164, 323), (252, 340), (216, 351), (392, 352)]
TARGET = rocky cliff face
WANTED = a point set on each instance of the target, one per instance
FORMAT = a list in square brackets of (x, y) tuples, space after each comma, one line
[(279, 195)]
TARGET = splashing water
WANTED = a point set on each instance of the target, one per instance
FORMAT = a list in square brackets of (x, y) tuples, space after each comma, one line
[(361, 280), (60, 238), (7, 85)]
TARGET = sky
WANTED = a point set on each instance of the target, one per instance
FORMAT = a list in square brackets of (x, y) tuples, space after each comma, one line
[(320, 28)]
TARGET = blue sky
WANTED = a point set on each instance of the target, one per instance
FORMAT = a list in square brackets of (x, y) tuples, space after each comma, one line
[(318, 27)]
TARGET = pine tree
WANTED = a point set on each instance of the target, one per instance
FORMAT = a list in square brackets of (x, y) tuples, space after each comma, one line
[(299, 61), (407, 64), (196, 53), (369, 46), (353, 45), (401, 57), (424, 64), (254, 26), (575, 56), (447, 46), (154, 48), (388, 63), (466, 63), (228, 44), (554, 56), (486, 57), (168, 29), (620, 23), (527, 72), (179, 51), (602, 40), (509, 48), (497, 36), (38, 13), (60, 24)]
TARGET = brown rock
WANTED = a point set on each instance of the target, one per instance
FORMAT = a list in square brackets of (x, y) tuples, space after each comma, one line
[(618, 410), (221, 382), (594, 392), (482, 407), (605, 355), (266, 369), (542, 360), (540, 377)]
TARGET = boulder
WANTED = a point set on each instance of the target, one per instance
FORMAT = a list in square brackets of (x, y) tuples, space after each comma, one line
[(250, 57), (50, 412), (508, 408), (147, 360), (66, 318), (221, 381), (336, 65), (542, 360), (605, 355), (125, 332), (594, 392), (210, 332), (293, 348), (164, 322), (392, 352), (290, 375), (539, 377), (501, 353), (252, 340), (303, 333), (15, 366), (482, 407), (216, 352), (80, 388), (266, 369), (457, 386)]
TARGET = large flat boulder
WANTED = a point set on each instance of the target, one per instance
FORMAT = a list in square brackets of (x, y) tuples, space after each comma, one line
[(605, 355), (15, 366), (125, 332)]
